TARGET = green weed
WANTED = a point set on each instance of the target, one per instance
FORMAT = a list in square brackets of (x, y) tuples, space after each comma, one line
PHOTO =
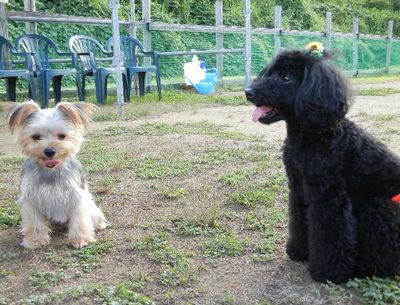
[(174, 264), (252, 197), (195, 227), (378, 291), (226, 243), (9, 214), (172, 192), (219, 156), (229, 299), (88, 257), (124, 293), (152, 168), (46, 279)]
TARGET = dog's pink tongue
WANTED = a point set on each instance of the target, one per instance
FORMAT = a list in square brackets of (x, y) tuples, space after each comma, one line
[(260, 112), (51, 162)]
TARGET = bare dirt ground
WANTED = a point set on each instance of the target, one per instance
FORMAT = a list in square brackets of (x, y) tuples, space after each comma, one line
[(136, 209)]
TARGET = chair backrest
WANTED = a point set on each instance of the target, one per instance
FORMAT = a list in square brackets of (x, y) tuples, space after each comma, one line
[(84, 46), (37, 48), (130, 47), (6, 48)]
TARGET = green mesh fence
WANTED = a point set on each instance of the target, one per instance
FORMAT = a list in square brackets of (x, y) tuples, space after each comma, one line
[(371, 52)]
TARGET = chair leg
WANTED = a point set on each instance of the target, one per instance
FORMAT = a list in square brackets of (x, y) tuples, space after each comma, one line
[(142, 78), (32, 87), (97, 85), (158, 79), (128, 87), (57, 88), (79, 87), (83, 86), (44, 89), (11, 88)]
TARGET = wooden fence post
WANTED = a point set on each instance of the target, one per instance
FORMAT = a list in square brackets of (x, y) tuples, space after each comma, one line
[(219, 37), (4, 33), (356, 37), (389, 46), (278, 29), (30, 6), (247, 51), (3, 21), (146, 14), (329, 30), (132, 18)]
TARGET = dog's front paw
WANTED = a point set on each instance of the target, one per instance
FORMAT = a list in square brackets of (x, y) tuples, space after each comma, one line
[(335, 276), (78, 244), (34, 243), (296, 252)]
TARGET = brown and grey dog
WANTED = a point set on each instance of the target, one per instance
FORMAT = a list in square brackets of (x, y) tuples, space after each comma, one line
[(52, 187)]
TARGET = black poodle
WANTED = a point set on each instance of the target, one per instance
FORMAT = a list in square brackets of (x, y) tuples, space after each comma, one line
[(344, 216)]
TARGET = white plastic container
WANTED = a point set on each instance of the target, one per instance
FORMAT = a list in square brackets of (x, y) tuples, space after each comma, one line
[(194, 72)]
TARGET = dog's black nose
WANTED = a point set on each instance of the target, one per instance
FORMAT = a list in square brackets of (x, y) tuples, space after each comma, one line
[(250, 92), (49, 152)]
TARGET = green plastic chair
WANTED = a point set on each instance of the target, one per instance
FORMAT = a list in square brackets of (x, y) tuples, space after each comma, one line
[(132, 51), (40, 51), (90, 51), (7, 71)]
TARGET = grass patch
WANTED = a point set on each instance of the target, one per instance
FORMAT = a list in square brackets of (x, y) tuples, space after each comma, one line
[(8, 164), (378, 291), (219, 156), (9, 214), (384, 117), (226, 243), (172, 101), (172, 192), (98, 157), (195, 227), (157, 129), (46, 280), (128, 292), (377, 91), (175, 268), (253, 197), (152, 168)]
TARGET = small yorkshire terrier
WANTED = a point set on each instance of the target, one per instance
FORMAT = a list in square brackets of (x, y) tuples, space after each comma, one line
[(52, 188)]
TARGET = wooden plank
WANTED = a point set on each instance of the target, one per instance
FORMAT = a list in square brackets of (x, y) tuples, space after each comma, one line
[(61, 18), (356, 32), (160, 26), (201, 52), (278, 29), (389, 45), (30, 6), (219, 38)]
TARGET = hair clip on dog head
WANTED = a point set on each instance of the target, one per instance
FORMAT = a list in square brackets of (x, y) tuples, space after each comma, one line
[(316, 49)]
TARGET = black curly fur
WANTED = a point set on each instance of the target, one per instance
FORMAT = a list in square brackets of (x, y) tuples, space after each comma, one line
[(341, 216)]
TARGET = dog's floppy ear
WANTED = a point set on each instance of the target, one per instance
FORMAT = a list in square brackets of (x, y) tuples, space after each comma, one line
[(18, 114), (77, 113), (323, 97)]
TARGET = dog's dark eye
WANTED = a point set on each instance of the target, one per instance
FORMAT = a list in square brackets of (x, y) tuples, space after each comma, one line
[(286, 77), (61, 136), (36, 137)]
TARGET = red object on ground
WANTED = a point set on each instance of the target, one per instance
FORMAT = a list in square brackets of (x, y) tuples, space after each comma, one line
[(396, 199)]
